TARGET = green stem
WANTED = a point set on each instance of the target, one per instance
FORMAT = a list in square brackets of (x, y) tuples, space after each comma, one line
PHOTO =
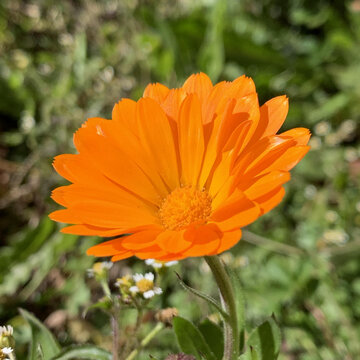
[(231, 328), (105, 287), (271, 245), (145, 341)]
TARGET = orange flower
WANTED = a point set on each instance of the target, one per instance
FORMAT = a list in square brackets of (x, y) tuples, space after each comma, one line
[(180, 171)]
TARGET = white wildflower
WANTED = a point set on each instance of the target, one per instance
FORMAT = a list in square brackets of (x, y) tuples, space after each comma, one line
[(6, 330), (99, 268), (157, 264), (144, 285)]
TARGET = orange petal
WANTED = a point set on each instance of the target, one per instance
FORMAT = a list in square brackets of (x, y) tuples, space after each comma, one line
[(240, 87), (121, 256), (132, 146), (107, 248), (85, 230), (172, 103), (270, 200), (113, 162), (245, 108), (191, 140), (201, 234), (199, 84), (238, 211), (66, 216), (212, 102), (260, 157), (152, 252), (76, 193), (273, 114), (112, 215), (156, 137), (208, 248), (231, 206), (205, 239), (77, 168), (124, 113), (229, 239), (288, 159), (211, 153), (300, 135), (140, 240), (157, 91), (170, 257), (265, 183), (172, 241)]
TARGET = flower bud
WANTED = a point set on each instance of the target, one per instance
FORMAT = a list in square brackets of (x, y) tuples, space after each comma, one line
[(6, 337)]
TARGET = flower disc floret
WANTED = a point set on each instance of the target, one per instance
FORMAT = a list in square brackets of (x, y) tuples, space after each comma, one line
[(185, 206)]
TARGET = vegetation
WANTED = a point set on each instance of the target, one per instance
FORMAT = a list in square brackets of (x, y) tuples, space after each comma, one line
[(62, 62)]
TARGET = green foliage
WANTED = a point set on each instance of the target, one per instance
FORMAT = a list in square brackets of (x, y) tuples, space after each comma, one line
[(190, 339), (87, 352), (62, 62), (265, 340), (213, 335), (43, 343)]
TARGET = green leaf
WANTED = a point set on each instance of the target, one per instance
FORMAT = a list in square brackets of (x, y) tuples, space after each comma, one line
[(205, 297), (87, 352), (214, 337), (41, 338), (191, 340), (266, 340)]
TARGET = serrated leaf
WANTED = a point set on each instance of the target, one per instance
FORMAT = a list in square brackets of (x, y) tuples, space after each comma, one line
[(87, 352), (266, 340), (191, 340), (41, 338), (214, 337)]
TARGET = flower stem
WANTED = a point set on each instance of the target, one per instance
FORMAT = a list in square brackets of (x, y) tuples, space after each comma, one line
[(115, 331), (231, 327), (145, 341)]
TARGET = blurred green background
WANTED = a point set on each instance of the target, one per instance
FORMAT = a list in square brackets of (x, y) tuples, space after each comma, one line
[(64, 61)]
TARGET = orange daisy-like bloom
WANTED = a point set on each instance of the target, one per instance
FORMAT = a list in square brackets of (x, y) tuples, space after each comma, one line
[(180, 171)]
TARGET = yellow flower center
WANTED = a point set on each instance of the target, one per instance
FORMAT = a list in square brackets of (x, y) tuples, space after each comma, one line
[(185, 206), (98, 268), (145, 285), (124, 281)]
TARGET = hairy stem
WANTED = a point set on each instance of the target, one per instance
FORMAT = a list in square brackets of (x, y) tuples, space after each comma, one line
[(115, 331), (231, 327)]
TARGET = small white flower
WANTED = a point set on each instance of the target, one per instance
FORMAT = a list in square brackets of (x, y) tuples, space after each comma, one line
[(149, 276), (171, 263), (157, 264), (7, 350), (98, 268), (150, 293), (144, 284), (6, 330), (134, 289), (107, 265)]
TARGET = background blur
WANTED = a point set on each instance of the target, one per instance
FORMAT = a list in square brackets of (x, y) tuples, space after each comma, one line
[(61, 62)]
